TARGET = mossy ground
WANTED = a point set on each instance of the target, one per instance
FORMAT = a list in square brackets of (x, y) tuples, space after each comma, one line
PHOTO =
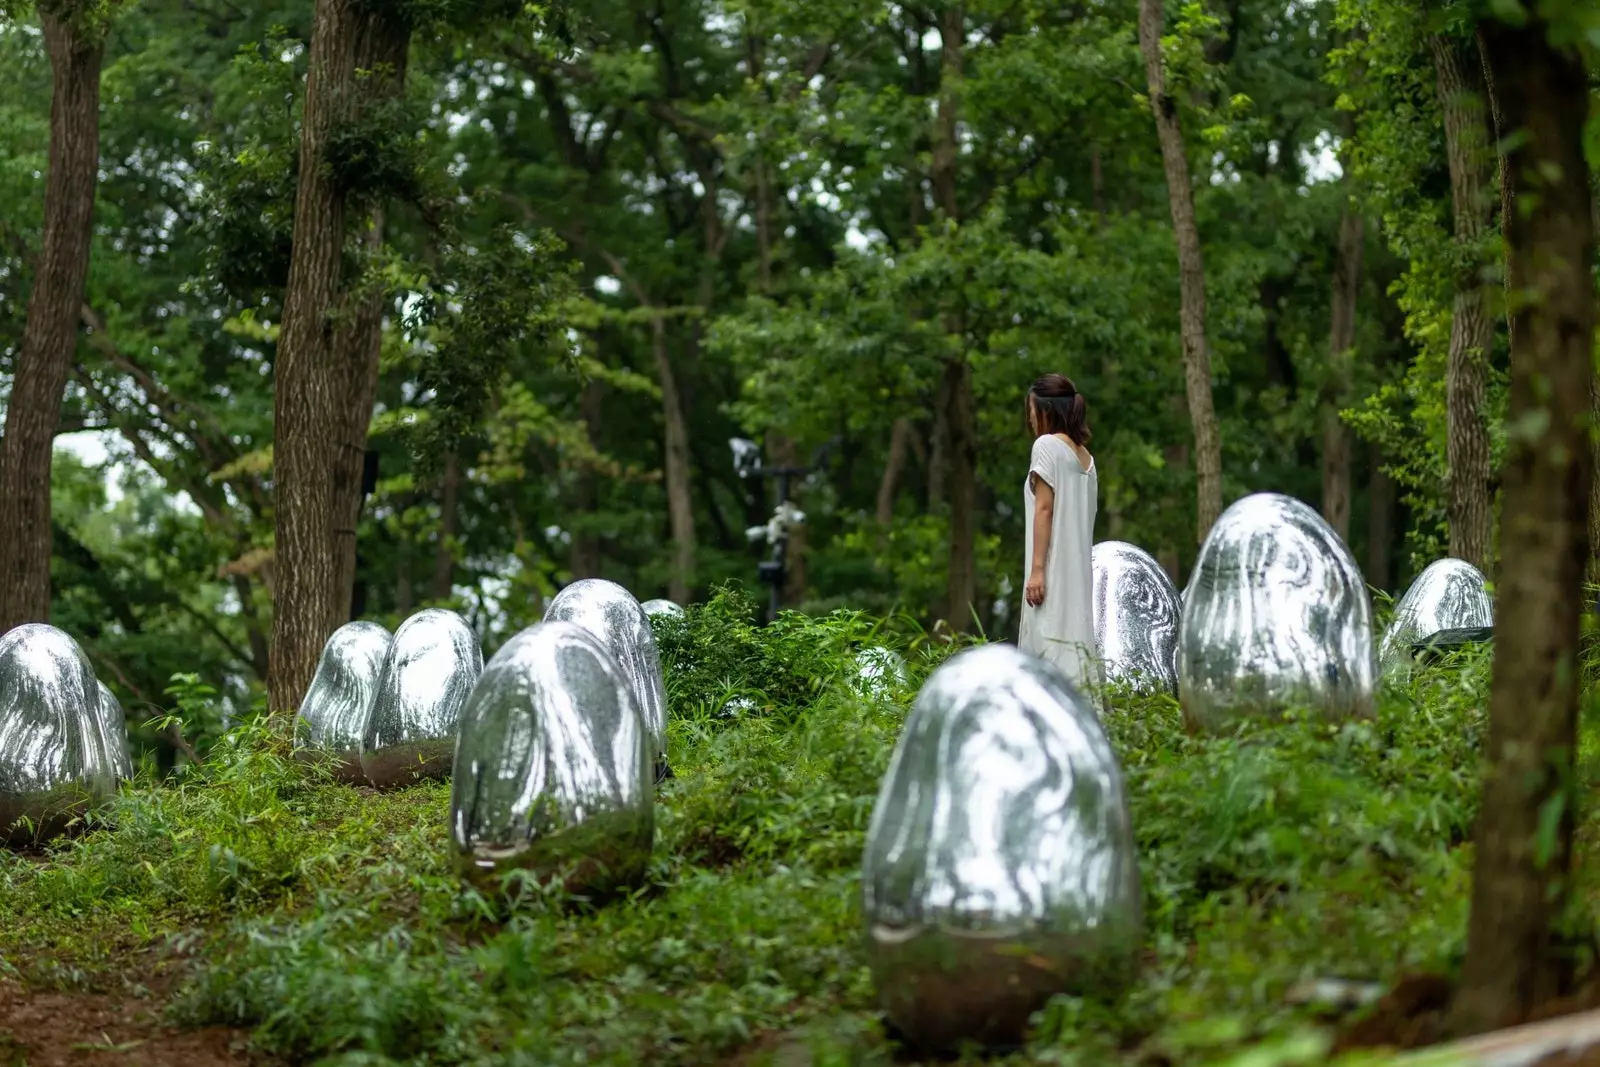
[(328, 923)]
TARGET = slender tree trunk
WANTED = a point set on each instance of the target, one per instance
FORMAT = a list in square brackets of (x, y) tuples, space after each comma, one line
[(1523, 854), (1191, 276), (1380, 524), (1466, 134), (893, 468), (444, 551), (405, 590), (782, 452), (50, 337), (585, 562), (309, 388), (1341, 344), (675, 454)]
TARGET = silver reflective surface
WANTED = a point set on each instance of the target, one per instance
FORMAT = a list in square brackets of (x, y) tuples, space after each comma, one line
[(333, 715), (1000, 865), (1276, 615), (1136, 610), (553, 770), (53, 757), (879, 672), (114, 733), (653, 608), (427, 673), (1450, 594), (611, 613)]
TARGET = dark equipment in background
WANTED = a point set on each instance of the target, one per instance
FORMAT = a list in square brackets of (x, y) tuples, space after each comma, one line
[(747, 462)]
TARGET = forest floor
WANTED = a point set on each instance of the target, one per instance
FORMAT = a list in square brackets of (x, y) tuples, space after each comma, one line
[(255, 911)]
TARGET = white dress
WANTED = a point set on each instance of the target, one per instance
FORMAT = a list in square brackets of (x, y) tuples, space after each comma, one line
[(1061, 630)]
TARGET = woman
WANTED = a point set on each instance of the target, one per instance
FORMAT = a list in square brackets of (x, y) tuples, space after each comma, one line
[(1060, 498)]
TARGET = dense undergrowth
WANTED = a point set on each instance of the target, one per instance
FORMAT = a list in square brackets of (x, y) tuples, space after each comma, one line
[(330, 921)]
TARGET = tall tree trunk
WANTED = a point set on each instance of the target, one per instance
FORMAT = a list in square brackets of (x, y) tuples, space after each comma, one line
[(50, 337), (1191, 276), (675, 458), (1341, 342), (960, 443), (444, 551), (893, 468), (1467, 146), (1523, 854), (1380, 524), (585, 561), (309, 388)]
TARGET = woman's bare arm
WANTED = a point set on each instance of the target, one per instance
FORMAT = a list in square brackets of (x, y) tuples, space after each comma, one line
[(1044, 506)]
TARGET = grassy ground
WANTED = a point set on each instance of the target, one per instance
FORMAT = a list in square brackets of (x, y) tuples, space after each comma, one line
[(256, 896)]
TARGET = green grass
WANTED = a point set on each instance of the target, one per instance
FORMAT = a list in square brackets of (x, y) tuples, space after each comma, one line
[(329, 920)]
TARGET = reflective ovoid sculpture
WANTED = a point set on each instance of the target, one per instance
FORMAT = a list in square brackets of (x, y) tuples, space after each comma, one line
[(1276, 615), (1450, 594), (1000, 866), (612, 614), (114, 731), (333, 714), (1136, 610), (653, 608), (553, 770), (54, 762), (427, 673), (879, 672)]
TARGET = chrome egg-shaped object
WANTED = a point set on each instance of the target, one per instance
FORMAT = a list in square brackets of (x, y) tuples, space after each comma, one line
[(54, 762), (1276, 615), (658, 606), (430, 667), (554, 769), (1136, 611), (612, 614), (1000, 867), (333, 715), (1450, 594), (879, 672), (114, 732)]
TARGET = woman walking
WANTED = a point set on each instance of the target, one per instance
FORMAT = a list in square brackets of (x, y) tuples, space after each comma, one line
[(1060, 498)]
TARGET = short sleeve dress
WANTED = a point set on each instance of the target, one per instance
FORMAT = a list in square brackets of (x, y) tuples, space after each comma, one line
[(1061, 630)]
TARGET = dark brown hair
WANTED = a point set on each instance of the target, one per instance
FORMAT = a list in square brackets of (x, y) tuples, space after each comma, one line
[(1061, 408)]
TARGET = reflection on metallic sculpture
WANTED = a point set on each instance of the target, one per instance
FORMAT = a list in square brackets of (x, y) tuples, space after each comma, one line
[(879, 672), (53, 758), (1450, 594), (653, 608), (428, 671), (1136, 609), (1276, 616), (114, 733), (553, 768), (1000, 866), (611, 613), (333, 715)]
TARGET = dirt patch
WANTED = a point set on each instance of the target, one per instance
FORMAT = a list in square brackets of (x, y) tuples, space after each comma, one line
[(50, 1029), (1409, 1016)]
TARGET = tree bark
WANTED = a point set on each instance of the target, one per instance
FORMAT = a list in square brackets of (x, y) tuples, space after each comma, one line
[(50, 336), (1191, 276), (893, 468), (309, 388), (1341, 344), (1523, 854), (444, 551), (675, 458), (960, 445), (1467, 146)]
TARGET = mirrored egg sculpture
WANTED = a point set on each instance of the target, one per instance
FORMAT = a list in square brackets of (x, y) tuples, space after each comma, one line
[(1276, 615), (879, 672), (1136, 610), (553, 770), (611, 613), (1450, 594), (53, 758), (430, 667), (114, 731), (1000, 867), (653, 608), (333, 714)]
